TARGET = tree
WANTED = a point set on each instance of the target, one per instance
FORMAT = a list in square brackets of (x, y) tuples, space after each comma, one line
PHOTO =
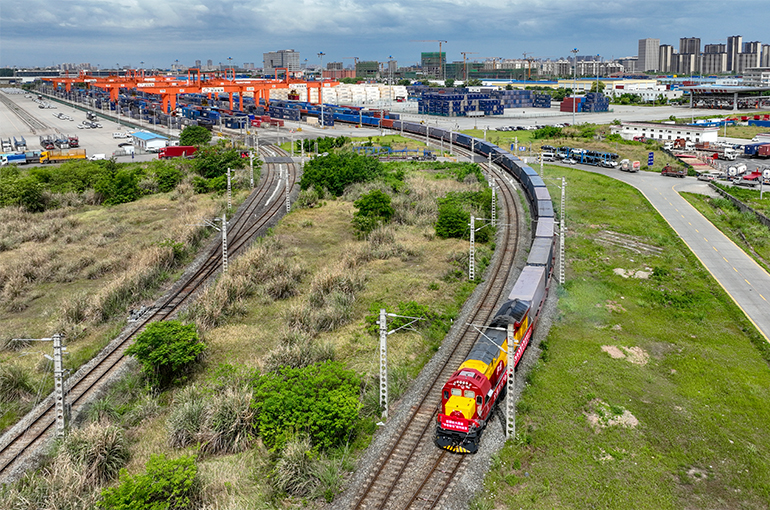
[(452, 221), (213, 161), (449, 82), (373, 209), (195, 135), (404, 82), (320, 400), (600, 88), (473, 82), (335, 171), (166, 350)]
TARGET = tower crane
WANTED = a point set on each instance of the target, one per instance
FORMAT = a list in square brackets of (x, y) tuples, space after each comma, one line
[(441, 60), (465, 68)]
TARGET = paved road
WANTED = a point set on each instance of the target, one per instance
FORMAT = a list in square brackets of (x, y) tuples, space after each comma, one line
[(741, 277)]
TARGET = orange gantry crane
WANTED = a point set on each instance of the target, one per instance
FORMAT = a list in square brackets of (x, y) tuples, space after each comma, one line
[(168, 87)]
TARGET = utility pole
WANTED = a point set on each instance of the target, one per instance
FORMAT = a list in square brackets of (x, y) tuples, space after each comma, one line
[(229, 192), (574, 84), (224, 243), (472, 253)]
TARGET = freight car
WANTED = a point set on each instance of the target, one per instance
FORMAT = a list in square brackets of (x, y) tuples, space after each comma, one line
[(469, 398)]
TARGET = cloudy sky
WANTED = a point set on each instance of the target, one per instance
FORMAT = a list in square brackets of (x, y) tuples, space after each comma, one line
[(158, 32)]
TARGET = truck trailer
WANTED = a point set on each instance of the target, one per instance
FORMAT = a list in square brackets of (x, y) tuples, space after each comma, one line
[(61, 155), (177, 151)]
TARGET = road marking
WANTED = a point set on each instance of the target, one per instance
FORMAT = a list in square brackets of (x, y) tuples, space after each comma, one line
[(682, 215), (715, 248), (735, 270), (745, 280), (698, 231), (726, 260), (763, 297)]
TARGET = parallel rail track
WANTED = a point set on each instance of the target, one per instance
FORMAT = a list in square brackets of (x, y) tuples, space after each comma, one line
[(19, 445), (412, 473)]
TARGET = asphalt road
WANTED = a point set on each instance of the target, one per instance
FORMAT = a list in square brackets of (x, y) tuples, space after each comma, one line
[(747, 283)]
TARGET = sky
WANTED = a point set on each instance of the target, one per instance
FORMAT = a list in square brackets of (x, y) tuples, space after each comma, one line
[(156, 33)]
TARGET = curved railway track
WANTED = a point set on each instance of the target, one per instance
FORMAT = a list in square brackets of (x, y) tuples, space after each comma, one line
[(412, 473), (20, 446), (30, 120)]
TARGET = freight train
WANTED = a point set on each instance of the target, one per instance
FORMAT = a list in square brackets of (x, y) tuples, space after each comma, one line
[(470, 396)]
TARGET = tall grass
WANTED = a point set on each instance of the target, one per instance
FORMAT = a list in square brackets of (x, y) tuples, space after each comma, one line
[(98, 450), (15, 384), (262, 271), (297, 349), (221, 422)]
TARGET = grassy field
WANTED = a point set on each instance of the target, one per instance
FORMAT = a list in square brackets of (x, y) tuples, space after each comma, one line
[(75, 270), (246, 326), (652, 391)]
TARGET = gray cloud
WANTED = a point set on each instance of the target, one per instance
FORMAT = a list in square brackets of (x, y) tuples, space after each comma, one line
[(39, 32)]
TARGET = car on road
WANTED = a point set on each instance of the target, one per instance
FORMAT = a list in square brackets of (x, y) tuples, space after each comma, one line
[(569, 161), (708, 176)]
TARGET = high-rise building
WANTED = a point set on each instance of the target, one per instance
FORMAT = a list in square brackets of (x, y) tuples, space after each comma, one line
[(665, 58), (734, 46), (648, 55), (747, 60), (714, 63), (198, 63), (433, 63), (715, 48), (765, 55), (334, 66), (288, 59), (751, 47), (687, 63), (689, 45)]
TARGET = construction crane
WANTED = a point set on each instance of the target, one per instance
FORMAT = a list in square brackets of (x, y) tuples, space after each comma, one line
[(441, 60), (465, 68)]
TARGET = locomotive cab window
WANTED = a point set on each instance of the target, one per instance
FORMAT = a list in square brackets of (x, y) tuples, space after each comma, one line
[(446, 394), (469, 394), (479, 400), (457, 392)]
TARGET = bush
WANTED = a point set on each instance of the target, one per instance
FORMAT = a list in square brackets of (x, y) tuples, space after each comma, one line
[(165, 350), (213, 161), (165, 485), (293, 473), (194, 135), (320, 400), (373, 209), (336, 171)]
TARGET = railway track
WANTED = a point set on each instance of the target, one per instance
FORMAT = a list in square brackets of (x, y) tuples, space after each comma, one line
[(411, 472), (34, 124), (21, 446)]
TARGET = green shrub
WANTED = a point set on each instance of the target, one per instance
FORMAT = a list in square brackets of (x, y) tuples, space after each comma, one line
[(165, 485), (320, 400), (166, 350), (194, 135), (336, 171), (373, 209), (294, 472)]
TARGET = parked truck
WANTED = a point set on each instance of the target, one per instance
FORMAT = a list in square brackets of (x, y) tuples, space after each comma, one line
[(62, 155), (177, 151), (670, 171), (752, 179), (763, 151), (726, 153), (73, 141), (10, 158)]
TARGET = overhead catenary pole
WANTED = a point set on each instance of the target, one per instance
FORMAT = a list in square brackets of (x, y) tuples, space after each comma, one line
[(251, 167), (510, 399), (383, 364), (472, 252), (229, 192), (224, 243)]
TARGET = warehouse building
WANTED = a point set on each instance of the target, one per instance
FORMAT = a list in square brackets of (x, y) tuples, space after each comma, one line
[(651, 130)]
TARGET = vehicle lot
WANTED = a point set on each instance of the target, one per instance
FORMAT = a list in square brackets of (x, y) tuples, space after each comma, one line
[(57, 121)]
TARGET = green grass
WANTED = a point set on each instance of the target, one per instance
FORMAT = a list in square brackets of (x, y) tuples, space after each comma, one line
[(744, 229), (700, 400)]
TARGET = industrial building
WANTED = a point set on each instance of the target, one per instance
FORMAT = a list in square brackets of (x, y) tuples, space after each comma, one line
[(631, 130), (288, 59)]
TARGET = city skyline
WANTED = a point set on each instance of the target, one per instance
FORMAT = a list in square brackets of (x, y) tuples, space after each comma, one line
[(145, 34)]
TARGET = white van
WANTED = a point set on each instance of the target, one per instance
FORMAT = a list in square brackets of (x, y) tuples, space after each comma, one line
[(119, 134)]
